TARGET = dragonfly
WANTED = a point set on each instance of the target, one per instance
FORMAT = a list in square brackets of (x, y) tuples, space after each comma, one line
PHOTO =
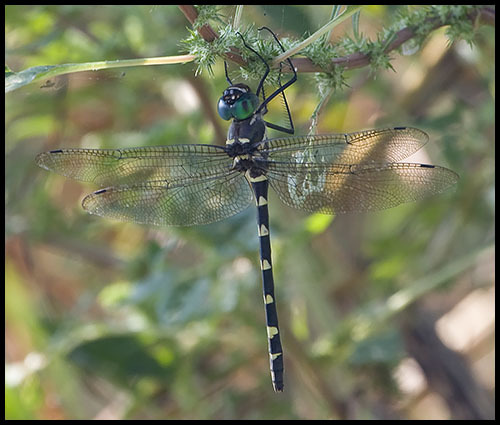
[(195, 184)]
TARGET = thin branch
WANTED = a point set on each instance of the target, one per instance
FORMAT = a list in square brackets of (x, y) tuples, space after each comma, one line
[(209, 34), (354, 60), (206, 31)]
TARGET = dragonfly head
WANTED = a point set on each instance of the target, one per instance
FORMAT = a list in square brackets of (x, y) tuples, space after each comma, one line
[(237, 102)]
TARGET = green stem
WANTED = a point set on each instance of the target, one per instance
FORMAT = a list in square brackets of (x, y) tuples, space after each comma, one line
[(19, 79), (349, 11)]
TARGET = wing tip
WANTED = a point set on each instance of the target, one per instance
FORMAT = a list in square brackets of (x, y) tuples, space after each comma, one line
[(41, 160)]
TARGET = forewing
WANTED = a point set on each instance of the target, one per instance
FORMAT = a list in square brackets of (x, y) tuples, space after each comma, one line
[(370, 146), (363, 187), (176, 205), (115, 167)]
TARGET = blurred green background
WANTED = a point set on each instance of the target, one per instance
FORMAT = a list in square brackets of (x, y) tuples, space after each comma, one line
[(383, 315)]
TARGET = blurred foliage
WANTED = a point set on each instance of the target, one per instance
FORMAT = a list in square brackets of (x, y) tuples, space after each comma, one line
[(113, 320)]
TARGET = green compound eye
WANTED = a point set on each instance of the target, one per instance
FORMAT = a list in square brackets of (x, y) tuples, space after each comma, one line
[(224, 110), (245, 106)]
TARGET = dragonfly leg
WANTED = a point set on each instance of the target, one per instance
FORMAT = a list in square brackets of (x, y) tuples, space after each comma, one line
[(281, 90)]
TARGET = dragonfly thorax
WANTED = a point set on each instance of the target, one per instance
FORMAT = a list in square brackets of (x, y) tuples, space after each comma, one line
[(246, 157), (250, 131)]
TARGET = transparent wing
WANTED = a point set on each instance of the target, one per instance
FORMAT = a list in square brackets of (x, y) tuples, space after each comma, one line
[(131, 166), (385, 145), (162, 204), (364, 187)]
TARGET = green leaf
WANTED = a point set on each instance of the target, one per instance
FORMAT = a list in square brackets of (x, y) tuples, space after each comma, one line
[(112, 355), (14, 80)]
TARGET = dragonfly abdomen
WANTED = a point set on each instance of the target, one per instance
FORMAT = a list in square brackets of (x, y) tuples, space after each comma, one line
[(260, 187)]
